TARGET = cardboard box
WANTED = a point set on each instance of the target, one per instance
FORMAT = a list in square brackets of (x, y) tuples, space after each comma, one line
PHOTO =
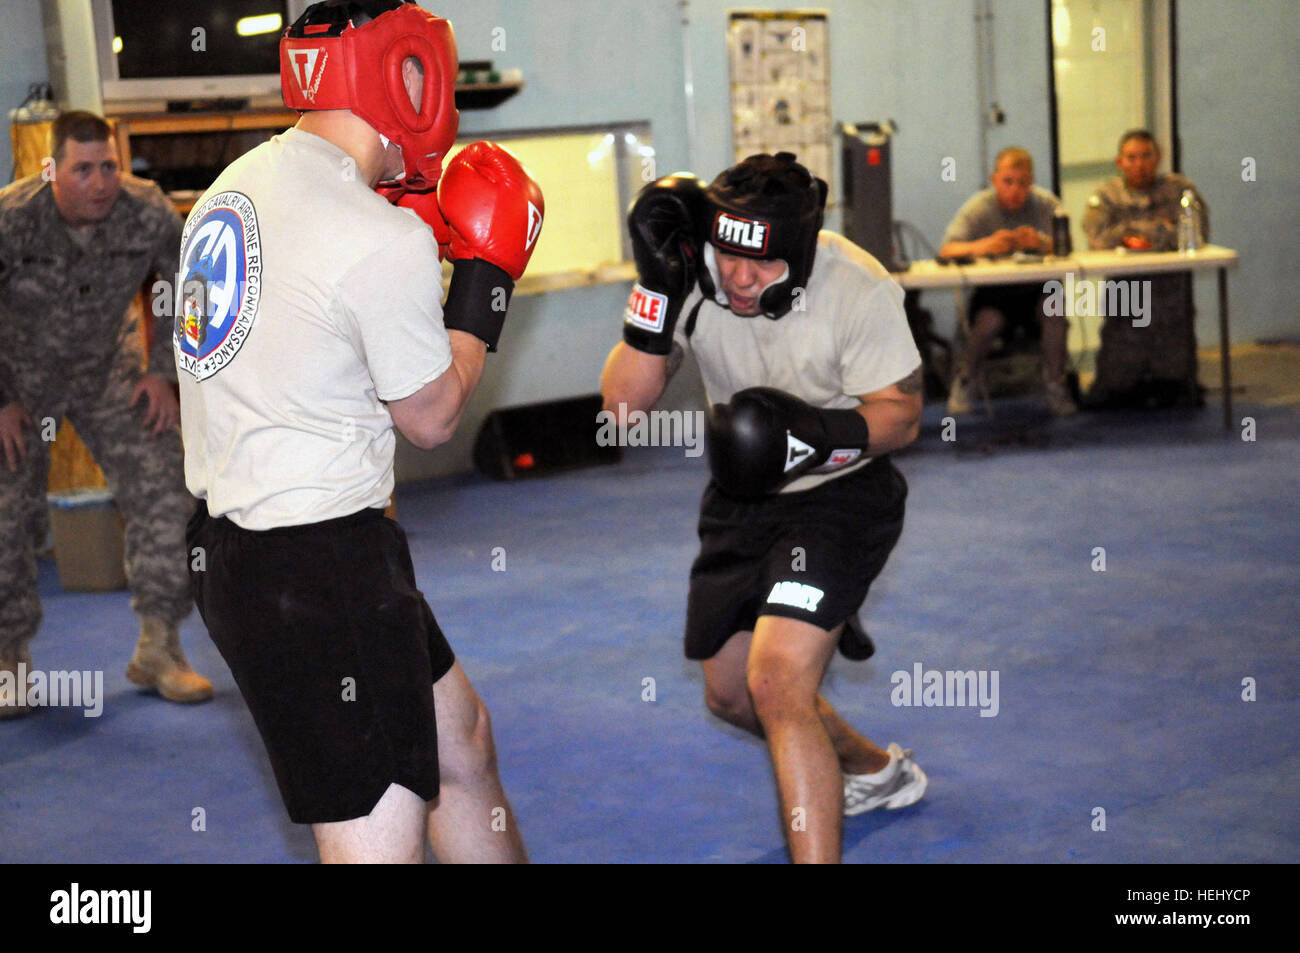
[(88, 545)]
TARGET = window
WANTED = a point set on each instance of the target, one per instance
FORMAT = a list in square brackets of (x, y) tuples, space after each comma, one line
[(588, 176)]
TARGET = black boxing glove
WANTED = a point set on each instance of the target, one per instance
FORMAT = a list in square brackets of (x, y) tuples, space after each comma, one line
[(664, 224), (765, 438)]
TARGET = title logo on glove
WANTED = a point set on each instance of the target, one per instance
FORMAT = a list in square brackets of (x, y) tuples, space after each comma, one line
[(796, 451), (838, 460), (747, 234), (646, 309), (534, 225)]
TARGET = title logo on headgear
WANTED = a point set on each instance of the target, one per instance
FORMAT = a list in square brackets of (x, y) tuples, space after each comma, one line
[(328, 61), (306, 72), (747, 234)]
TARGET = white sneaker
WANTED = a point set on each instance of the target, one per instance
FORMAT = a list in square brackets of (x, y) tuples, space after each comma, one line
[(896, 785), (959, 395)]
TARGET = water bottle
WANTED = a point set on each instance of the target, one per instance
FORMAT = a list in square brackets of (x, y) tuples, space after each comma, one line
[(1191, 236), (1061, 235)]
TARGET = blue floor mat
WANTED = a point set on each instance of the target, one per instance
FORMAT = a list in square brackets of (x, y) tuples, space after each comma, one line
[(1119, 690)]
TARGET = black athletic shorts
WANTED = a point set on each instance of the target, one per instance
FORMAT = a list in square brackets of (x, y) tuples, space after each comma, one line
[(810, 556), (1018, 303), (335, 652)]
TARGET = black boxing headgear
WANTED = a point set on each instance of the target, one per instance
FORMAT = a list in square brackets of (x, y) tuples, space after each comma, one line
[(767, 207), (348, 54)]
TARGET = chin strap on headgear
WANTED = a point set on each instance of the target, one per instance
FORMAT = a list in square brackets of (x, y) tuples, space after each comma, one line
[(348, 54), (767, 207)]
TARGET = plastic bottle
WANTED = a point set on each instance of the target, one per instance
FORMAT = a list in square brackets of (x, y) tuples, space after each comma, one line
[(1191, 232)]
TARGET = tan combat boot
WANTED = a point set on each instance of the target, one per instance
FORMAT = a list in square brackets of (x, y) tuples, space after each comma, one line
[(1056, 392), (10, 687), (961, 390), (159, 663)]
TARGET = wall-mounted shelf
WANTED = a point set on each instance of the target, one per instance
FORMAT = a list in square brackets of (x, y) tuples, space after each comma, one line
[(199, 144), (484, 95), (163, 123)]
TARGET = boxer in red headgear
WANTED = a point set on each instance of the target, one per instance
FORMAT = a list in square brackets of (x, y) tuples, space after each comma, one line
[(348, 55), (313, 326)]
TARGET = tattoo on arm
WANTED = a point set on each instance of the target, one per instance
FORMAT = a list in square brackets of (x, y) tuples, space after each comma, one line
[(912, 383), (675, 358)]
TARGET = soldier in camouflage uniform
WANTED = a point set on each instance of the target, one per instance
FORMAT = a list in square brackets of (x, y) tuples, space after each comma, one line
[(1156, 364), (74, 251)]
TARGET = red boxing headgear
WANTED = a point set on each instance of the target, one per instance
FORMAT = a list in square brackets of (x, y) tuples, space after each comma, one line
[(340, 55)]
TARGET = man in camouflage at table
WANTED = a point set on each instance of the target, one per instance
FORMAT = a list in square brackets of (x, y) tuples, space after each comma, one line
[(1155, 364), (76, 242)]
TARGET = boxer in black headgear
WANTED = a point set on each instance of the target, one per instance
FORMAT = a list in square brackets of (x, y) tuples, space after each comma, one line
[(768, 208), (804, 506)]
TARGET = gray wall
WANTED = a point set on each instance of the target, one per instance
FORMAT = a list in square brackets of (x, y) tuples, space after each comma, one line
[(598, 61), (1238, 97), (577, 71), (587, 61), (22, 61)]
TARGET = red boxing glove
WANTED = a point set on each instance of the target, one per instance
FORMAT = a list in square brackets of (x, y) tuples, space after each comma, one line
[(492, 207), (425, 205)]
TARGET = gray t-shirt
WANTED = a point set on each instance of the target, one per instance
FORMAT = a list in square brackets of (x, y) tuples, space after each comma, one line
[(325, 303), (851, 339), (981, 216)]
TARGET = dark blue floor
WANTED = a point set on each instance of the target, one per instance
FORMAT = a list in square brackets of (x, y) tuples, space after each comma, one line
[(1119, 690)]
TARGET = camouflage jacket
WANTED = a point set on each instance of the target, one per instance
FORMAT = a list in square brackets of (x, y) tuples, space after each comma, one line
[(1115, 211), (65, 308)]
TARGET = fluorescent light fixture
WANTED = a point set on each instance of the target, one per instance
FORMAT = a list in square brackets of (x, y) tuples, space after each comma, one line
[(262, 23)]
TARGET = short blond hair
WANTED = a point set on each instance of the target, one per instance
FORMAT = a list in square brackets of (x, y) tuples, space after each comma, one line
[(1018, 157)]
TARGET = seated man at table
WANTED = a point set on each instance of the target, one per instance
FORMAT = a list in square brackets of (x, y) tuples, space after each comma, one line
[(1152, 363), (1014, 215)]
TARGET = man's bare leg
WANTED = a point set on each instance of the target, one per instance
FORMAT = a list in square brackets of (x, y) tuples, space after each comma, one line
[(471, 821), (726, 692), (857, 754), (787, 659), (1055, 330), (986, 326), (392, 833)]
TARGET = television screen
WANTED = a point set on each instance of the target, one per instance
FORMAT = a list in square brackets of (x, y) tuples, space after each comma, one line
[(209, 38)]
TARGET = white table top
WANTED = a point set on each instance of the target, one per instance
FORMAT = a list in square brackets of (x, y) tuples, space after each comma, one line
[(1096, 263), (1084, 264)]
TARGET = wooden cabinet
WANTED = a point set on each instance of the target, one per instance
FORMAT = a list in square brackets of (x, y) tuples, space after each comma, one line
[(184, 152)]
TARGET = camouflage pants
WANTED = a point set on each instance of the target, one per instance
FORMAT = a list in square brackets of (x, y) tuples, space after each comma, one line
[(1164, 350), (145, 474)]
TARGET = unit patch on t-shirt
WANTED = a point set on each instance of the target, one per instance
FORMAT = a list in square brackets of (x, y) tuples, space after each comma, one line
[(221, 270)]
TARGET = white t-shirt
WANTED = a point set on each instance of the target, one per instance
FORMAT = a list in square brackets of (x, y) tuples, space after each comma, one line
[(323, 301), (850, 339)]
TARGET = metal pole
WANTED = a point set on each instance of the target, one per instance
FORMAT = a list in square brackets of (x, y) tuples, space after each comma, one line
[(689, 84), (1225, 358), (983, 91)]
